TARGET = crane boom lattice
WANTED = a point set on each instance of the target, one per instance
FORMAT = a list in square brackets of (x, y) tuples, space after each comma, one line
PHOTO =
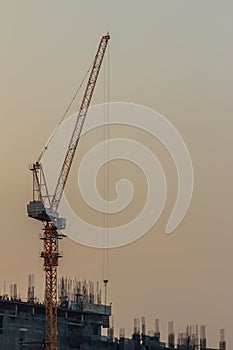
[(79, 122)]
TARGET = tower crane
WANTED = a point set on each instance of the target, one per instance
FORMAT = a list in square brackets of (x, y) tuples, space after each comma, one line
[(44, 207)]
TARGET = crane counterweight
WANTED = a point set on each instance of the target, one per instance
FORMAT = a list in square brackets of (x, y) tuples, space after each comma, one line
[(38, 211)]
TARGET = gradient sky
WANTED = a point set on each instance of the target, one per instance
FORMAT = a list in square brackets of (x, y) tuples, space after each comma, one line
[(172, 56)]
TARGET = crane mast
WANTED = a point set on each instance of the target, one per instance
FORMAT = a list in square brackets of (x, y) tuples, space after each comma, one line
[(44, 207)]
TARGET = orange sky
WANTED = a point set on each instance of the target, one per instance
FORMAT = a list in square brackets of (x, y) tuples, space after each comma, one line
[(172, 56)]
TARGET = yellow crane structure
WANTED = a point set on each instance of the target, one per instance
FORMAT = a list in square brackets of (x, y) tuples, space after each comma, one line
[(44, 207)]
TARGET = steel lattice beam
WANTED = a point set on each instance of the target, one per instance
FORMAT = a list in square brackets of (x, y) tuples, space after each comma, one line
[(79, 122), (51, 255)]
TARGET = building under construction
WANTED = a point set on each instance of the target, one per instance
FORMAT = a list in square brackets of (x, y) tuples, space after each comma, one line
[(81, 319)]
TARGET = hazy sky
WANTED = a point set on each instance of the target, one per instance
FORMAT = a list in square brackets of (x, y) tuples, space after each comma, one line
[(172, 56)]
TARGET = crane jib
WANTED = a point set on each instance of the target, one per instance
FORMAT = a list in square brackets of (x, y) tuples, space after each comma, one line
[(79, 123)]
